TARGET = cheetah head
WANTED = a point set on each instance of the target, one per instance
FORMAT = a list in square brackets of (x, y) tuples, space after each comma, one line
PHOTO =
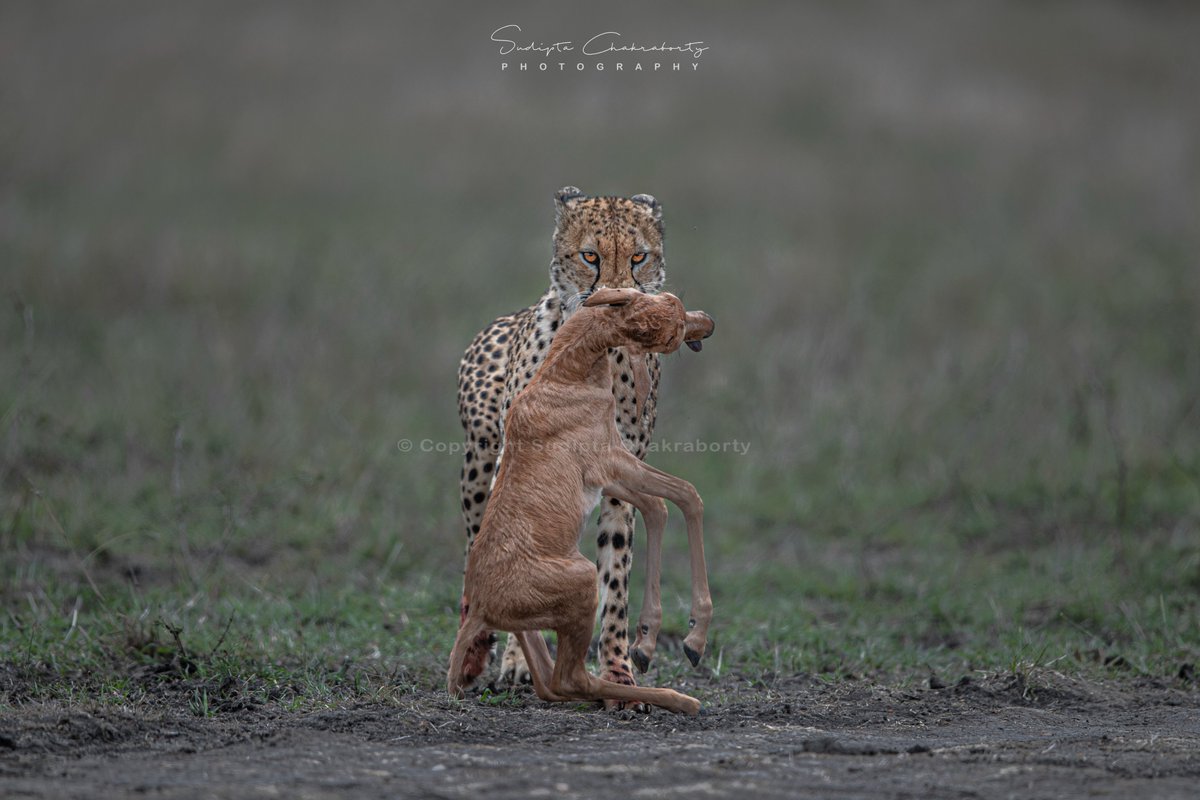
[(605, 242)]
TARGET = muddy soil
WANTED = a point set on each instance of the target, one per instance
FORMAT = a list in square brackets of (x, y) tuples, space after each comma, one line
[(999, 737)]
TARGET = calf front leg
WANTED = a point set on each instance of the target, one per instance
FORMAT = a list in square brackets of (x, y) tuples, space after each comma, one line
[(654, 512), (636, 476)]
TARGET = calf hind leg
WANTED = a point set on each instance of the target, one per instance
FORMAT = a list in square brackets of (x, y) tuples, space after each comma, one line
[(465, 660), (541, 666), (571, 680)]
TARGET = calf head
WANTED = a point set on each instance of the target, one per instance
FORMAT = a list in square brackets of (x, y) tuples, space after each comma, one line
[(649, 323)]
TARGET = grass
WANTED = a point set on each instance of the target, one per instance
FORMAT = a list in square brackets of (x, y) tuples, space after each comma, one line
[(956, 330)]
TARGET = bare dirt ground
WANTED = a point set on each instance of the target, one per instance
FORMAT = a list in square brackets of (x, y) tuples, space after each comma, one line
[(989, 737)]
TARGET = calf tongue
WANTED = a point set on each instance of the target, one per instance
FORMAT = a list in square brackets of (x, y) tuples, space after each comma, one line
[(696, 345)]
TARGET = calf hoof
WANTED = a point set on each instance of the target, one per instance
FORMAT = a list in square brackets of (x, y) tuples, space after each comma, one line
[(639, 659)]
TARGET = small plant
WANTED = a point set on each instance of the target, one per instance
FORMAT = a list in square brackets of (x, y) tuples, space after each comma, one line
[(491, 698), (199, 704)]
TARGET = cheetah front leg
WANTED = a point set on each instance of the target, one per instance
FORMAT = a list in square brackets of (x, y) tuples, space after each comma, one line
[(614, 557), (480, 383)]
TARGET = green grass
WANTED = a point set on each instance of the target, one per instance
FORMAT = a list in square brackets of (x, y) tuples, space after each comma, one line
[(957, 330)]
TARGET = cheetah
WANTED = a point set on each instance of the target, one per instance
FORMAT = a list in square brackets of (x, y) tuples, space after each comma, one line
[(598, 242)]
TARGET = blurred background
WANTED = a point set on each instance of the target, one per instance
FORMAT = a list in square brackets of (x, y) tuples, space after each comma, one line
[(952, 253)]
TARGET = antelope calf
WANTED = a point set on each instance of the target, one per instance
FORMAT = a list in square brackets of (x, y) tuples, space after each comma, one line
[(562, 451)]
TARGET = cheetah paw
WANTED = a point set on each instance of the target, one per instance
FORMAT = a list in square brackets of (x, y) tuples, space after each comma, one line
[(513, 669), (625, 679)]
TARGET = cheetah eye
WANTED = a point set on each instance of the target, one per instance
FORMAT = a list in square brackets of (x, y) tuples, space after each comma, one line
[(589, 257), (638, 258)]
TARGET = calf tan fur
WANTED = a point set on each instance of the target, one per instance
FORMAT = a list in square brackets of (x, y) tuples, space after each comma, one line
[(562, 451)]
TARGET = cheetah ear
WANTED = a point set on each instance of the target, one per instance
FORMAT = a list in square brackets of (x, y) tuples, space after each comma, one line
[(612, 297), (562, 197), (651, 203), (567, 193)]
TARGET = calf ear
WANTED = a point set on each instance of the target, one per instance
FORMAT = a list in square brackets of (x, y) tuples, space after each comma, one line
[(612, 297)]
